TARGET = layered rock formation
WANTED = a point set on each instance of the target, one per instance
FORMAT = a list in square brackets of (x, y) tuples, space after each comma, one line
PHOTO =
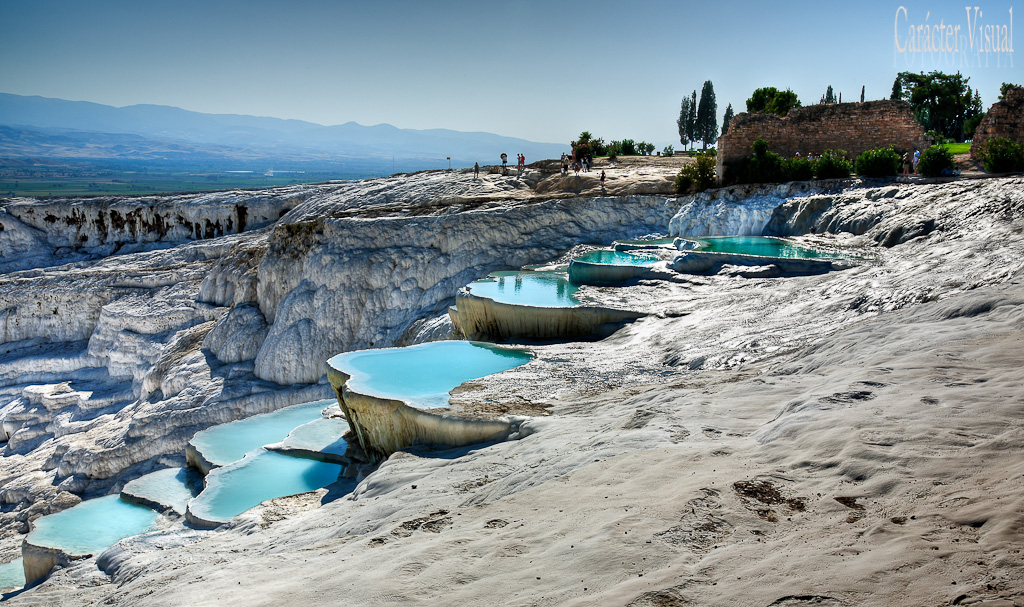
[(127, 325)]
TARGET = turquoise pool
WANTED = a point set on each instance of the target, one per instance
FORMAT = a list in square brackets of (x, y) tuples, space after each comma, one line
[(229, 442), (12, 574), (424, 374), (92, 526), (618, 258), (322, 435), (539, 289), (261, 475), (764, 246)]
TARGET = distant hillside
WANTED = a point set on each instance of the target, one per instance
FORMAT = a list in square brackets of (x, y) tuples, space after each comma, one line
[(54, 128)]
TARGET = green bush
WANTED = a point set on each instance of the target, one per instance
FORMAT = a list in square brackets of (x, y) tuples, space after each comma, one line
[(762, 166), (879, 162), (668, 151), (684, 181), (1002, 155), (797, 169), (832, 165), (628, 147), (699, 175), (935, 161)]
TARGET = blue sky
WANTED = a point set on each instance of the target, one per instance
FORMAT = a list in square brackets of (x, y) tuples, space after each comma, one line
[(542, 71)]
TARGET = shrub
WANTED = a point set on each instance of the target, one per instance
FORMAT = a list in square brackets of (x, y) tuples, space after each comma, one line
[(879, 162), (699, 174), (1002, 155), (684, 180), (797, 169), (627, 147), (832, 165), (613, 150), (937, 138), (668, 151), (762, 166), (935, 161)]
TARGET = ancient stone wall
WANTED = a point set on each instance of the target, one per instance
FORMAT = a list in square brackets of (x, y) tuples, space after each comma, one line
[(853, 127), (1004, 119)]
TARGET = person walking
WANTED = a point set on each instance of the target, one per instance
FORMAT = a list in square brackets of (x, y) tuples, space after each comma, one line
[(476, 170), (602, 179)]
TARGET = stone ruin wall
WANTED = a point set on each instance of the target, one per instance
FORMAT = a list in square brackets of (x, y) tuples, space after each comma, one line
[(1004, 119), (854, 127)]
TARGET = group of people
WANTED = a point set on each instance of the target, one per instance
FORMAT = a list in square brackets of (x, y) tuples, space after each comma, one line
[(581, 164), (910, 163), (520, 163)]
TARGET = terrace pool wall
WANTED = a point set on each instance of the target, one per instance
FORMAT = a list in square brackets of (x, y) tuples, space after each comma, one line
[(260, 476), (386, 420), (226, 443), (82, 531), (481, 318), (710, 255), (611, 268)]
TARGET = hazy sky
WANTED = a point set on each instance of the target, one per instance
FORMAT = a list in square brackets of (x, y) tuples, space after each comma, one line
[(543, 71)]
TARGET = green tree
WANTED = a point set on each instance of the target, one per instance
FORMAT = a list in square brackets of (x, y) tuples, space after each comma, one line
[(1005, 87), (691, 119), (897, 90), (971, 125), (941, 102), (862, 93), (588, 144), (681, 122), (772, 101), (829, 96), (726, 119), (706, 126)]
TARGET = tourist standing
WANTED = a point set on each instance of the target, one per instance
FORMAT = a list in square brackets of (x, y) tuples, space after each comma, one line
[(476, 170), (602, 179), (906, 163), (917, 158)]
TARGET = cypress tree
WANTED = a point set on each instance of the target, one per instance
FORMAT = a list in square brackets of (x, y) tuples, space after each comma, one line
[(727, 119), (691, 119), (707, 116), (681, 122)]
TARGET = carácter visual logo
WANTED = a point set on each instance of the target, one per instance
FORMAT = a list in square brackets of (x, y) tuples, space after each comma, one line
[(972, 40)]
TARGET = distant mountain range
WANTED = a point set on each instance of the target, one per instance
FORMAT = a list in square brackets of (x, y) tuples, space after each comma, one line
[(41, 127)]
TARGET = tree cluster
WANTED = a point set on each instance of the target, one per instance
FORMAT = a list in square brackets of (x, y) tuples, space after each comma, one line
[(772, 101), (588, 145), (943, 103), (698, 120)]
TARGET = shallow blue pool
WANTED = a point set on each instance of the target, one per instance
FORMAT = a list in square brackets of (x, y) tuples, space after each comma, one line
[(618, 258), (12, 574), (424, 374), (92, 526), (261, 475), (229, 442), (758, 245), (541, 289)]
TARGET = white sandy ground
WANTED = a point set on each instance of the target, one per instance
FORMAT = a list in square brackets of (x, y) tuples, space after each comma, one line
[(849, 439)]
